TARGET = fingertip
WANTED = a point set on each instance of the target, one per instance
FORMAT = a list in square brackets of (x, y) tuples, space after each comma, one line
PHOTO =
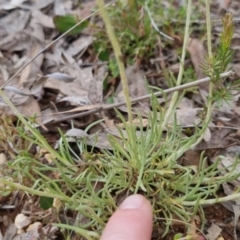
[(132, 220), (133, 202)]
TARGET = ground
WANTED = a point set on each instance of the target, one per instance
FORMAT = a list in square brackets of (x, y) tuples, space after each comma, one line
[(62, 89)]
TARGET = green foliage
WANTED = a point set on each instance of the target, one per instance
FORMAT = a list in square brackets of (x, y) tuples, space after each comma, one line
[(45, 202), (113, 68), (171, 19), (178, 236), (64, 23), (133, 29), (219, 63), (102, 50), (142, 161)]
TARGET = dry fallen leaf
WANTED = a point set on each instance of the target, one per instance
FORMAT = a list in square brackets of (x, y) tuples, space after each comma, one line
[(213, 232), (71, 89), (44, 20), (137, 88), (30, 108), (95, 91), (15, 21), (98, 139), (79, 45), (198, 56), (16, 42), (12, 4), (187, 116), (76, 101)]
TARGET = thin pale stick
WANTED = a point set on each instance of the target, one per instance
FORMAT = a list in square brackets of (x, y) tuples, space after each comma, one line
[(134, 100)]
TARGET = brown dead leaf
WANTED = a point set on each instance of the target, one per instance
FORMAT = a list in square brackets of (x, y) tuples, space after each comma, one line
[(76, 101), (17, 96), (95, 92), (190, 158), (198, 56), (70, 89), (62, 7), (32, 69), (44, 20), (229, 108), (16, 42), (115, 132), (78, 133), (26, 105), (85, 9), (30, 108), (5, 66), (36, 86), (15, 21), (10, 4), (38, 4), (60, 76), (82, 76), (218, 140), (213, 232), (137, 88), (48, 115), (98, 139), (187, 116), (186, 103), (78, 45), (228, 160), (207, 135)]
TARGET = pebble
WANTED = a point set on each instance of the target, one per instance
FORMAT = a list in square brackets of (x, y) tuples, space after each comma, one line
[(21, 221), (34, 227), (3, 159)]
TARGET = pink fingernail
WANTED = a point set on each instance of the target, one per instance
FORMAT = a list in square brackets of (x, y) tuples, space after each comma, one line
[(132, 202)]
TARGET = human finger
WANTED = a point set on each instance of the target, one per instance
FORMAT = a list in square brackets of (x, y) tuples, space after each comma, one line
[(133, 220)]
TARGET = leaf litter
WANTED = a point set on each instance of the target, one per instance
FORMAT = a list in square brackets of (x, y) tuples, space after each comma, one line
[(70, 77)]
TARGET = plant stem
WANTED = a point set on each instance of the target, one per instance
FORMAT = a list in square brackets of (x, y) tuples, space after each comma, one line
[(118, 55), (35, 192), (208, 24), (212, 201), (211, 85), (132, 5), (175, 96)]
